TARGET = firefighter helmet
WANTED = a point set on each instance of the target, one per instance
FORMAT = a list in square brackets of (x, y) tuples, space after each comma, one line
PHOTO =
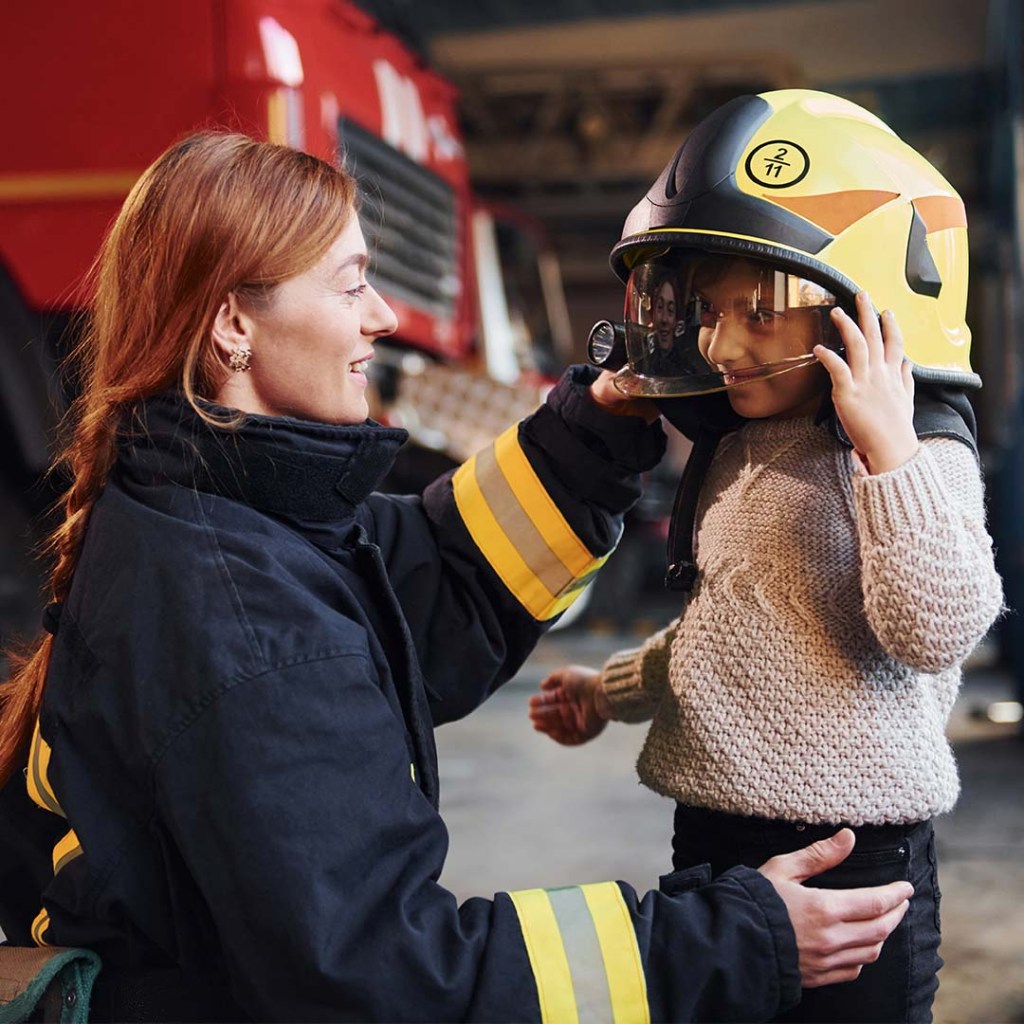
[(827, 201)]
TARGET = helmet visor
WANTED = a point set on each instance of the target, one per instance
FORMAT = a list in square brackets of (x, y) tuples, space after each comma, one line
[(698, 322)]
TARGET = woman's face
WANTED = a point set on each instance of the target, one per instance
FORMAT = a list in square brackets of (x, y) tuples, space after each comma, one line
[(739, 334), (311, 345), (665, 315)]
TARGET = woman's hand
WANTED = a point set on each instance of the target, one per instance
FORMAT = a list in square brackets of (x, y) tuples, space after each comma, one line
[(571, 707), (838, 931), (872, 389), (611, 399)]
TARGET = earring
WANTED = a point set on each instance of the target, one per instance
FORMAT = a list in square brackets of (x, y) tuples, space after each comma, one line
[(240, 360)]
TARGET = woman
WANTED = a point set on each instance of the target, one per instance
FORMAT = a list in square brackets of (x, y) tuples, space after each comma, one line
[(665, 316), (250, 649)]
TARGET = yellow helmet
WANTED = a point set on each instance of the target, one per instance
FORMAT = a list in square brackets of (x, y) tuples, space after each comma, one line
[(825, 192)]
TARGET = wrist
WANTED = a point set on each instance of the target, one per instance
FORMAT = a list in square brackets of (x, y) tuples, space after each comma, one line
[(890, 456), (602, 706), (607, 396)]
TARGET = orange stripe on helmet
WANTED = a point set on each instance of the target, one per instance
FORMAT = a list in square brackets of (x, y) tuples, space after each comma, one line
[(835, 211), (940, 212)]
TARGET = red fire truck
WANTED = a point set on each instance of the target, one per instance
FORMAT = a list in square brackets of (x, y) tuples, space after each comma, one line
[(94, 91)]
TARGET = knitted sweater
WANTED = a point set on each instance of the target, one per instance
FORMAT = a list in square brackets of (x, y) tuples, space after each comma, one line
[(812, 673)]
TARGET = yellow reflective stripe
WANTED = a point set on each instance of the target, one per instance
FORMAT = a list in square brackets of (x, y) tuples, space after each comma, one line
[(39, 789), (66, 850), (519, 529), (37, 780), (617, 937), (538, 504), (517, 526), (495, 546), (547, 956), (39, 925)]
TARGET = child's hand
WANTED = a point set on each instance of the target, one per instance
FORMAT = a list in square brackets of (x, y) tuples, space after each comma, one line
[(872, 389), (611, 399), (571, 707)]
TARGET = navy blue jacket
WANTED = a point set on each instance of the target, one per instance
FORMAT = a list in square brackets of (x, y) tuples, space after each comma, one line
[(238, 725)]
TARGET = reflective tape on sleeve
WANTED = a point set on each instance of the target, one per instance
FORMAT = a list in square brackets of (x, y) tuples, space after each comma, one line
[(66, 851), (37, 780), (544, 947), (584, 955), (520, 530), (39, 926), (37, 777), (617, 938)]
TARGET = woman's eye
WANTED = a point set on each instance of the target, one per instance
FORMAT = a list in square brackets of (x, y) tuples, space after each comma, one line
[(357, 292)]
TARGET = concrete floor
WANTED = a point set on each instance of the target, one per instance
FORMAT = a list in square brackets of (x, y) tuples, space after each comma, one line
[(525, 812)]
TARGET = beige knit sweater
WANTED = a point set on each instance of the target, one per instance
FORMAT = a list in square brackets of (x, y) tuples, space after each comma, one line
[(812, 673)]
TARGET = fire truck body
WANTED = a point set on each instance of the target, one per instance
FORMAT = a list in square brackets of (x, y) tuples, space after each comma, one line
[(97, 90)]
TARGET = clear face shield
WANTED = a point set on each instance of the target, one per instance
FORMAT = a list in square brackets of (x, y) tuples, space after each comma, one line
[(698, 322)]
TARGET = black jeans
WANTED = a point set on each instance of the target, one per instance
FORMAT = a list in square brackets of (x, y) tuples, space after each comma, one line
[(901, 984)]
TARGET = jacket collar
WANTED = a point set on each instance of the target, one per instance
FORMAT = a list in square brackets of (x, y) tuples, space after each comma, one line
[(296, 469)]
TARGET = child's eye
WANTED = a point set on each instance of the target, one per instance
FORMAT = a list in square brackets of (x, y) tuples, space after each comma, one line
[(706, 314), (763, 317)]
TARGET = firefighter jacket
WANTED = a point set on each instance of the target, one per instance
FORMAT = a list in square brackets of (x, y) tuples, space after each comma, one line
[(238, 719)]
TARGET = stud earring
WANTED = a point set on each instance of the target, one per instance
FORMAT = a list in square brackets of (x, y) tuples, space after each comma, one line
[(240, 360)]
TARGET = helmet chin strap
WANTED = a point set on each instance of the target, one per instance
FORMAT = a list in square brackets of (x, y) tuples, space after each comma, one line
[(938, 412), (682, 567)]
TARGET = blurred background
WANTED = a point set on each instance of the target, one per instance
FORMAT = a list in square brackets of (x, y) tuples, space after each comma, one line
[(499, 147)]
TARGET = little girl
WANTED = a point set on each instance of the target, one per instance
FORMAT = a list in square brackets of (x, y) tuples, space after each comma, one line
[(843, 568)]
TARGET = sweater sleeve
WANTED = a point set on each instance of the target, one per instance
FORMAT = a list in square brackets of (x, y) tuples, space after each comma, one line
[(931, 590), (635, 679)]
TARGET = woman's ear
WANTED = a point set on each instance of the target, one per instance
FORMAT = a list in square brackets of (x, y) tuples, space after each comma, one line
[(232, 328)]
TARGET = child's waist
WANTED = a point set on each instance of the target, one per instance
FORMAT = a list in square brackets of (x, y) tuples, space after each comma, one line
[(707, 827)]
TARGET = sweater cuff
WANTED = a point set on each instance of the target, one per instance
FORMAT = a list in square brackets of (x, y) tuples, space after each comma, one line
[(909, 497), (623, 685), (625, 674), (628, 441)]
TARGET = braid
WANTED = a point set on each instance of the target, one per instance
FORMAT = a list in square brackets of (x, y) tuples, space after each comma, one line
[(89, 456)]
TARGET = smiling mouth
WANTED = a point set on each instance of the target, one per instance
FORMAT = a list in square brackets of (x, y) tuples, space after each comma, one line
[(360, 366), (766, 370), (742, 376)]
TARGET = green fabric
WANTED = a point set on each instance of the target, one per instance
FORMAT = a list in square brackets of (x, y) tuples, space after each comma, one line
[(73, 971)]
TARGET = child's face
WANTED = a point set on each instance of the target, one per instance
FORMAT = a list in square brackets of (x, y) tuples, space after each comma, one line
[(741, 331)]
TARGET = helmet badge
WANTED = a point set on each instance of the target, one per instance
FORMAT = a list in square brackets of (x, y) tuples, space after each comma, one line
[(778, 164)]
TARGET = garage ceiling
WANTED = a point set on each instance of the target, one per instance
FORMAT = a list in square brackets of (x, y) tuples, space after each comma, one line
[(571, 108)]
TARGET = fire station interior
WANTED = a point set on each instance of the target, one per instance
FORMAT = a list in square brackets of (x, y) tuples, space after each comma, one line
[(568, 111)]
